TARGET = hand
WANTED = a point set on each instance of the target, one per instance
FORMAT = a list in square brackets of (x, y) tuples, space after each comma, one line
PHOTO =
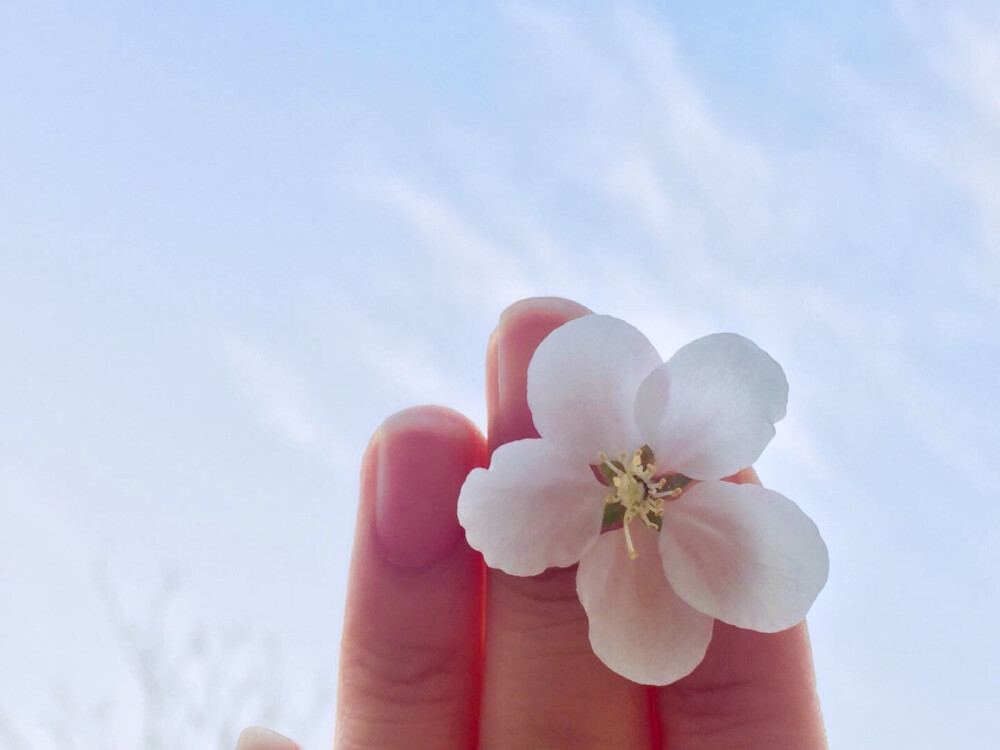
[(439, 652)]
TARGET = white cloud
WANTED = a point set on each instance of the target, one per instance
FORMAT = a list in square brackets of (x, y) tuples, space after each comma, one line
[(648, 138), (645, 138), (281, 400), (477, 268), (960, 136), (403, 364), (961, 42), (971, 59)]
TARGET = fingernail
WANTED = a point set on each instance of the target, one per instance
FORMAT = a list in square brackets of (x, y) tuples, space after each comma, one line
[(559, 306), (424, 455), (522, 328), (259, 738)]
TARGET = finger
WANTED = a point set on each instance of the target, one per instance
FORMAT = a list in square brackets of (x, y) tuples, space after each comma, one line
[(411, 649), (258, 738), (542, 685), (752, 690)]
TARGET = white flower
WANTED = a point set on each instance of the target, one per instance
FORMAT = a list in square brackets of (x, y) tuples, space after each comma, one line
[(663, 546)]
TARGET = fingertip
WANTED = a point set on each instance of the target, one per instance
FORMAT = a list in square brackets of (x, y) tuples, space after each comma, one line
[(422, 456), (429, 419), (559, 306), (410, 651), (260, 738), (522, 328)]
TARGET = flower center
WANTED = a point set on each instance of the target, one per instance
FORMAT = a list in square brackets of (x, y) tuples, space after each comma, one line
[(635, 494)]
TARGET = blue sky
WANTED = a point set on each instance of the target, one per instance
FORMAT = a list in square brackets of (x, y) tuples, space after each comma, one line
[(233, 239)]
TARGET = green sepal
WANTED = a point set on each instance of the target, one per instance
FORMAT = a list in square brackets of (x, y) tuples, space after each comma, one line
[(608, 473), (675, 482), (614, 514), (646, 455)]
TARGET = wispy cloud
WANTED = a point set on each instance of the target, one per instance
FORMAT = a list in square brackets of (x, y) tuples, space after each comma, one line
[(962, 43), (281, 399), (965, 48), (401, 362), (642, 139), (960, 136), (645, 140), (648, 138), (475, 266)]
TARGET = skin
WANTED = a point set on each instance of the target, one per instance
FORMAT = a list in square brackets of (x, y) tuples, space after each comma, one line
[(440, 652)]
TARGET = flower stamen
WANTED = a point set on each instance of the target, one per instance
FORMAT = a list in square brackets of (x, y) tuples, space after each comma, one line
[(636, 492)]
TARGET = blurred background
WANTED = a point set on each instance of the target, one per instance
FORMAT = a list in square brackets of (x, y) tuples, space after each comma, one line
[(235, 236)]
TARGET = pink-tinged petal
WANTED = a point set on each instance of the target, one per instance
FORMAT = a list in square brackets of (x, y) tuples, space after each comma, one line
[(710, 410), (743, 554), (638, 626), (582, 383), (538, 506)]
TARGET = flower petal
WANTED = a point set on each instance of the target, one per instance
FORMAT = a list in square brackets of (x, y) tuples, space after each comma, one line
[(710, 410), (743, 554), (638, 626), (582, 383), (536, 507)]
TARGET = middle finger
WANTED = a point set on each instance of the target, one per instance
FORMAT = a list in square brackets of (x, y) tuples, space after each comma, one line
[(543, 687)]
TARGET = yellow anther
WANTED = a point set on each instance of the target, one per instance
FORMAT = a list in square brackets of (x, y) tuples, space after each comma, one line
[(635, 491)]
